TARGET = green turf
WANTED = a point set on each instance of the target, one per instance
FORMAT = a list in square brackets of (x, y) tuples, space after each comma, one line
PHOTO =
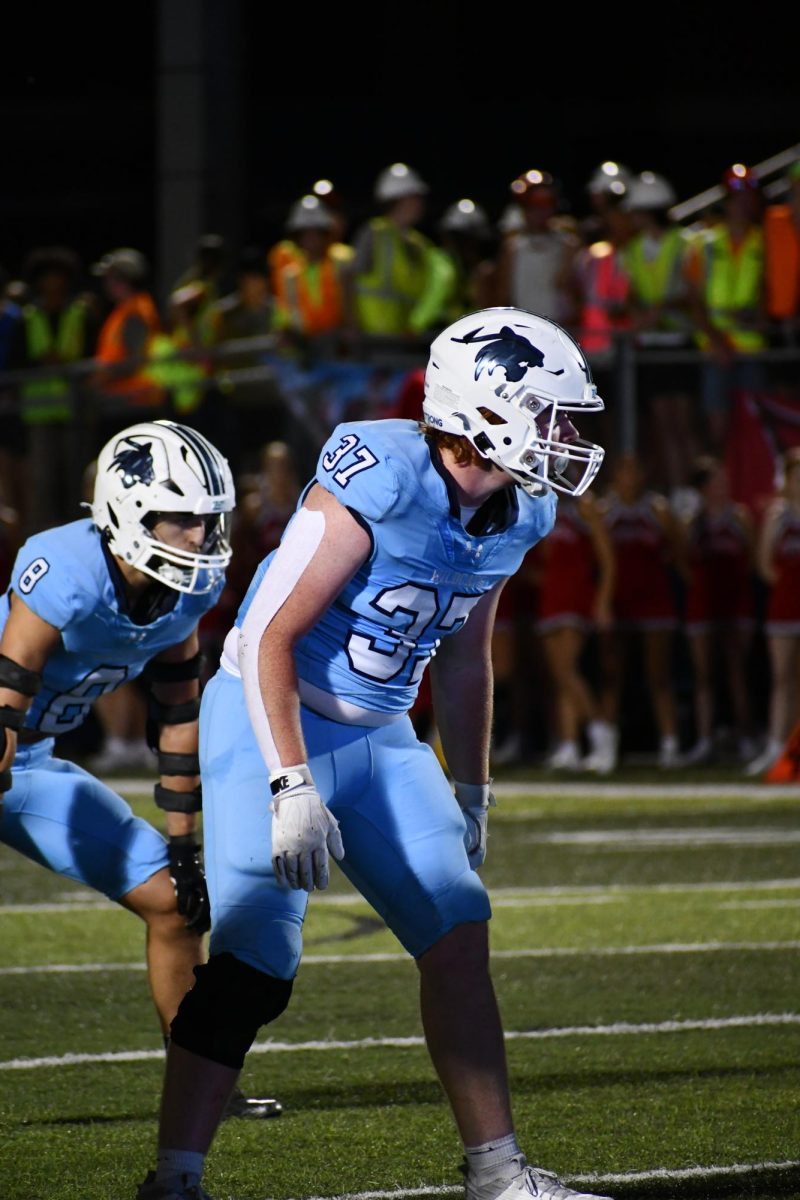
[(374, 1118)]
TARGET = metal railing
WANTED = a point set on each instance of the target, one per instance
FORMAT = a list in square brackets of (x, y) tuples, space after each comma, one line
[(689, 209), (301, 384)]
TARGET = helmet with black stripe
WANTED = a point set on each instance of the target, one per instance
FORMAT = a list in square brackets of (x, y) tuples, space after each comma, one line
[(160, 468)]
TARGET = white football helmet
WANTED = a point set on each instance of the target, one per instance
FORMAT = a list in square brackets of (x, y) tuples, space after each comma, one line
[(505, 379), (161, 467)]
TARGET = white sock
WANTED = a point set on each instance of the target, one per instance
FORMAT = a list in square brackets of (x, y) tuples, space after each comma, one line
[(669, 743), (489, 1158), (183, 1165)]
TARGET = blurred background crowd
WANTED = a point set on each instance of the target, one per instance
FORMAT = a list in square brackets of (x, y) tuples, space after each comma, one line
[(661, 619)]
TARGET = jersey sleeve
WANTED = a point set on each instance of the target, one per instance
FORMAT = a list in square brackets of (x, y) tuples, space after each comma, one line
[(46, 581), (356, 467)]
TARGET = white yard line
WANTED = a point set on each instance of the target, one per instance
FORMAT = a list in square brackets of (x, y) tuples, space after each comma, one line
[(316, 960), (688, 1172), (677, 1174), (689, 838), (618, 1029), (59, 907), (510, 896), (591, 790), (501, 901), (645, 791), (501, 897)]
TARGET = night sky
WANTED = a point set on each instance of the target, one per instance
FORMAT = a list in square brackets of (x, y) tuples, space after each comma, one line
[(469, 97)]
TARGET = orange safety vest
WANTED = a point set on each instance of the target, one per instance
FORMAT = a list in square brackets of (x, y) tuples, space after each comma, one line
[(282, 255), (606, 290), (111, 349), (782, 249), (311, 295)]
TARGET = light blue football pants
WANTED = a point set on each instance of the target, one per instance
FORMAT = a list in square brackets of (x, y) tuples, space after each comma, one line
[(62, 817), (401, 827)]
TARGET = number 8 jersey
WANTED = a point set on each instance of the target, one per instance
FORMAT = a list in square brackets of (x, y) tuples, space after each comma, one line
[(65, 577), (369, 650)]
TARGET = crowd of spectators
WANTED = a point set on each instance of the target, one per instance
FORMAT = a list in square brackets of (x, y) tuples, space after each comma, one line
[(236, 350)]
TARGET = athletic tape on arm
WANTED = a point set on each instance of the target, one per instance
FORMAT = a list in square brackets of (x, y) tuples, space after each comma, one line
[(300, 544)]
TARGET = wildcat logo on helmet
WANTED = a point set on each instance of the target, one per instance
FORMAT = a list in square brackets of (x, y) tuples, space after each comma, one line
[(135, 464), (506, 349), (157, 468)]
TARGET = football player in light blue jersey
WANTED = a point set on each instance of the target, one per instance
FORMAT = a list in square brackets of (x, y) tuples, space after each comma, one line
[(91, 605), (395, 558)]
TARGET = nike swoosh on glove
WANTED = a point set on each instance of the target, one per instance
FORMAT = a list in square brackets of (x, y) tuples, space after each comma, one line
[(303, 830), (475, 800)]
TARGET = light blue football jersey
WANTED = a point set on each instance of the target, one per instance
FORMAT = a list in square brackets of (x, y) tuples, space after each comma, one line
[(62, 575), (425, 572)]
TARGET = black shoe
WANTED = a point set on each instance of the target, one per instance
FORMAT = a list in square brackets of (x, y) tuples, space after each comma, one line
[(251, 1108)]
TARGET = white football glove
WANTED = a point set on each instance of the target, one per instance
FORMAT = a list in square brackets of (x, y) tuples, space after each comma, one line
[(303, 830), (475, 800)]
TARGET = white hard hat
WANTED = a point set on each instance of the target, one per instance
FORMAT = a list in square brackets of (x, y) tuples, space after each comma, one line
[(129, 263), (512, 220), (649, 192), (465, 216), (397, 181), (610, 177), (308, 213)]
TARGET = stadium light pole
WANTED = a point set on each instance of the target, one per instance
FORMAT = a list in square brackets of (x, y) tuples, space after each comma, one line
[(200, 172)]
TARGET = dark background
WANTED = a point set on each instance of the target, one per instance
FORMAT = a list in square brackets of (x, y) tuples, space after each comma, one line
[(469, 96)]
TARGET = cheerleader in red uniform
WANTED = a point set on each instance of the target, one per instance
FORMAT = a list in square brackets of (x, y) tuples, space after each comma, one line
[(577, 585), (779, 564), (719, 604), (646, 540)]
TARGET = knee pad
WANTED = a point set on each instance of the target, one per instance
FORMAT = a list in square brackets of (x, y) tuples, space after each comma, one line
[(220, 1017)]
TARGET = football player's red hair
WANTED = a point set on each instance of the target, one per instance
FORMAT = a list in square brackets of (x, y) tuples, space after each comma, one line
[(461, 448)]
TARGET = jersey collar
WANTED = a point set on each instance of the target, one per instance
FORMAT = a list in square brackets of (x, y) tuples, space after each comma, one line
[(497, 514), (154, 602)]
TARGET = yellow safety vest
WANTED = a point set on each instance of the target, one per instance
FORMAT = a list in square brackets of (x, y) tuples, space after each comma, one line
[(407, 287), (657, 280), (46, 400), (732, 285), (183, 379)]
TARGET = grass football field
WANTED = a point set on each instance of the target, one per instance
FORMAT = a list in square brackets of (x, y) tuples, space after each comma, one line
[(646, 961)]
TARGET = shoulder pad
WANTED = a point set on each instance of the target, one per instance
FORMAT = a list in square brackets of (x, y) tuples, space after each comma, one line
[(355, 466)]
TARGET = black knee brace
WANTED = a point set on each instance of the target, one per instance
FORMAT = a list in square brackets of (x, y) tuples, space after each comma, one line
[(220, 1017)]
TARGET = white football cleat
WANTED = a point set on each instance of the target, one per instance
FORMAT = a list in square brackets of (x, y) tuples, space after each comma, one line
[(151, 1189), (520, 1181)]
